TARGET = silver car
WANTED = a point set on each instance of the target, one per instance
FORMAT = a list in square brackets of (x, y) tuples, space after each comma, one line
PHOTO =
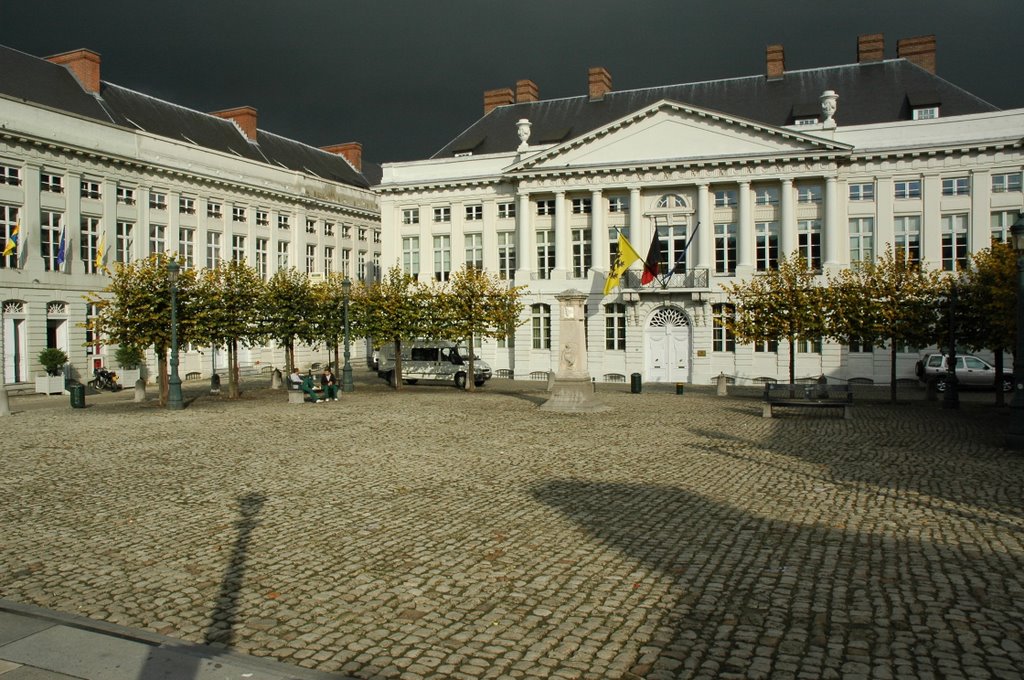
[(970, 372)]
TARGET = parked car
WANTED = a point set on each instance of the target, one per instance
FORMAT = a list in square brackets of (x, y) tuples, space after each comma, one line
[(970, 372)]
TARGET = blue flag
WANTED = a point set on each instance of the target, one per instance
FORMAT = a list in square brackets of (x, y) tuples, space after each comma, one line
[(60, 250)]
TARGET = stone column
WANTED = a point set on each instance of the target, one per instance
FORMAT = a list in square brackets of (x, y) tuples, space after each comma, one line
[(833, 230), (572, 390), (745, 234), (706, 231), (634, 216), (562, 240), (787, 238), (598, 233), (524, 239)]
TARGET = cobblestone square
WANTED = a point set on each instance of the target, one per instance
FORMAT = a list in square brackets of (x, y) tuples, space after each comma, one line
[(434, 533)]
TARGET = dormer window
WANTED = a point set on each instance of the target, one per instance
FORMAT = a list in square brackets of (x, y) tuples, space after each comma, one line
[(925, 113), (805, 121)]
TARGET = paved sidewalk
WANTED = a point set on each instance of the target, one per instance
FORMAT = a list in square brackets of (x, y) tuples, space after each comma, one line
[(41, 644), (433, 534)]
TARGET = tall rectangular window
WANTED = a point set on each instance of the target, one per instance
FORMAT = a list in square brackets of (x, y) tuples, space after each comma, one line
[(808, 346), (187, 206), (212, 249), (310, 258), (91, 189), (284, 222), (237, 214), (475, 251), (954, 242), (907, 237), (545, 253), (157, 200), (411, 255), (89, 237), (262, 218), (51, 182), (862, 239), (1001, 223), (673, 239), (237, 248), (767, 245), (310, 226), (328, 259), (157, 239), (767, 346), (411, 216), (506, 254), (125, 195), (263, 258), (10, 175), (540, 318), (615, 327), (361, 265), (50, 224), (346, 261), (580, 252), (506, 210), (442, 257), (725, 249), (722, 339), (8, 220), (214, 210), (808, 233), (187, 247), (283, 259), (124, 241)]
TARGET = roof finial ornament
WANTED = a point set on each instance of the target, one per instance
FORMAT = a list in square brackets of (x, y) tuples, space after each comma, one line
[(828, 107), (523, 130)]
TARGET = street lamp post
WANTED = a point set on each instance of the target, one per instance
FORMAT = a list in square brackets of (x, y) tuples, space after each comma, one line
[(174, 401), (346, 371), (1015, 433)]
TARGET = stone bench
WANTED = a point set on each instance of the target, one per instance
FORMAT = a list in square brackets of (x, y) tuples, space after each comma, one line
[(803, 395)]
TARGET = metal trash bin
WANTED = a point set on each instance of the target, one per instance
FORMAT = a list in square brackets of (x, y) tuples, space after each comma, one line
[(634, 383), (77, 395), (680, 388)]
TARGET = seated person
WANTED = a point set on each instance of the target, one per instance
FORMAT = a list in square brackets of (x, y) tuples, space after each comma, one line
[(295, 380), (329, 384), (305, 383)]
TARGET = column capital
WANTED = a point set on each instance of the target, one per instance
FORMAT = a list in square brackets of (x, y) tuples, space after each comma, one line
[(787, 181), (560, 193), (744, 182)]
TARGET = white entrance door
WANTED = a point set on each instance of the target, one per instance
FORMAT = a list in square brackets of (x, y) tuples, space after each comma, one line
[(15, 351), (667, 346)]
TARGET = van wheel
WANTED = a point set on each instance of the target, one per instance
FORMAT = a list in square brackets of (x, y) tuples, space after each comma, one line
[(390, 378), (460, 381), (479, 383), (411, 382), (941, 384)]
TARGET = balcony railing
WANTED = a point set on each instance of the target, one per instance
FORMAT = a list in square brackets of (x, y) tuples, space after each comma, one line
[(696, 278)]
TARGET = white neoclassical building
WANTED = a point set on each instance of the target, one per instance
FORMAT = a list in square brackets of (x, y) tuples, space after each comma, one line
[(837, 163), (119, 175)]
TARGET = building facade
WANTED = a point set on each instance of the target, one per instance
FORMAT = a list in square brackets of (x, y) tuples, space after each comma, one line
[(725, 177), (92, 174)]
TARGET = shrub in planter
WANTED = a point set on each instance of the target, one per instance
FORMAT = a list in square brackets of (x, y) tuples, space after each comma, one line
[(128, 357), (53, 360)]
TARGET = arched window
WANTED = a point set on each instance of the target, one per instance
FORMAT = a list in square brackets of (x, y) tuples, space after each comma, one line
[(669, 201)]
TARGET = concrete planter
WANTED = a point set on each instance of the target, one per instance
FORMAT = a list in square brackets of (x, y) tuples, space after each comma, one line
[(49, 384)]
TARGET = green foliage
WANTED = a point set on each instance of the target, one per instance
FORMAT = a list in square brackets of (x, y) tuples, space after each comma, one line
[(128, 356), (987, 304), (888, 301), (53, 359), (327, 322), (781, 304), (288, 309), (393, 310)]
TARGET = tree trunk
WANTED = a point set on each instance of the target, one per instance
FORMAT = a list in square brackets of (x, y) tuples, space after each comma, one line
[(233, 391), (289, 355), (892, 370), (161, 362), (1000, 399), (470, 372), (337, 364), (398, 364)]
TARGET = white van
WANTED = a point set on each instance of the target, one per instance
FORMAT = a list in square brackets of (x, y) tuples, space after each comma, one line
[(432, 360)]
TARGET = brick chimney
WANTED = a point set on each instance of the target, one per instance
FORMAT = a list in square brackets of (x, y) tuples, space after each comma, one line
[(84, 65), (919, 50), (495, 98), (870, 48), (526, 91), (244, 117), (775, 62), (600, 82), (352, 151)]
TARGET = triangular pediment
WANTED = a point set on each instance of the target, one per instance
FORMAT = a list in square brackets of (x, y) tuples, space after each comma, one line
[(669, 132)]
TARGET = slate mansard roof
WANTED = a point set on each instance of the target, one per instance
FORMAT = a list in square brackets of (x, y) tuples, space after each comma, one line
[(38, 81), (875, 92)]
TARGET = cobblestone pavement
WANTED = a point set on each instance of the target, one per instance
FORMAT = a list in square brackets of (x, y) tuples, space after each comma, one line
[(434, 533)]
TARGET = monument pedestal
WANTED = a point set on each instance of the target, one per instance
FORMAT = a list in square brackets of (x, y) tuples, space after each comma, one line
[(573, 396)]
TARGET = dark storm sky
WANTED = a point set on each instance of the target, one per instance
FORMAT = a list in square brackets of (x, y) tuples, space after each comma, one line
[(405, 76)]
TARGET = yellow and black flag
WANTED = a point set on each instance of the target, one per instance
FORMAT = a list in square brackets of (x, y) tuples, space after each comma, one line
[(627, 256)]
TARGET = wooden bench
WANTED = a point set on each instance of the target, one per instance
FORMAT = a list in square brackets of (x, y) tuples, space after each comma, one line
[(802, 395), (614, 378)]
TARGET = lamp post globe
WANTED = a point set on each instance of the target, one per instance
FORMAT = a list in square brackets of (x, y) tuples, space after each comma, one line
[(174, 400), (346, 371), (1015, 432)]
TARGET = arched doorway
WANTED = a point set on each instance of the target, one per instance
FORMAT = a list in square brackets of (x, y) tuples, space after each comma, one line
[(667, 346)]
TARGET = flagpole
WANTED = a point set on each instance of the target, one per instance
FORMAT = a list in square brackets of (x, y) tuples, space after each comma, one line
[(5, 409)]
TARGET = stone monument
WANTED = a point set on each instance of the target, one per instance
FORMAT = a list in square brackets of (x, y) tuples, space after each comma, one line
[(572, 391)]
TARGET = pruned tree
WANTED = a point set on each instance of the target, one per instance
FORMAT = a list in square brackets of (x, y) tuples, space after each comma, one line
[(287, 307), (988, 305), (328, 323), (224, 313), (135, 309), (392, 310), (476, 305), (780, 304), (890, 301)]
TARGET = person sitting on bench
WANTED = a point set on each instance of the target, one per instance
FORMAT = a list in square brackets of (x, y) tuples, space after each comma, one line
[(329, 384), (298, 382)]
